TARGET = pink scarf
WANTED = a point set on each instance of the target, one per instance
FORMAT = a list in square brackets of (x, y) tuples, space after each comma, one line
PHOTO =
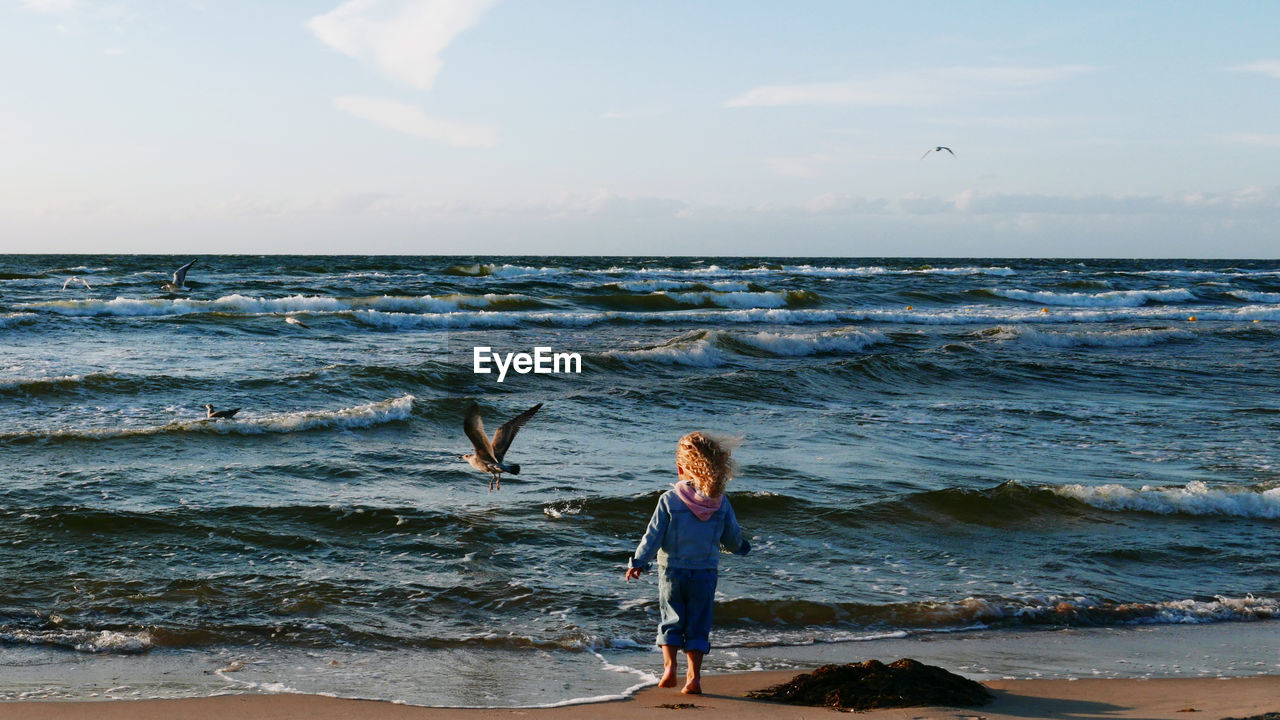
[(700, 505)]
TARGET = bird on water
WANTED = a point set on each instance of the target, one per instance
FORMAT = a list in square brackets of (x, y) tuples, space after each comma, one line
[(220, 414), (488, 455), (179, 278)]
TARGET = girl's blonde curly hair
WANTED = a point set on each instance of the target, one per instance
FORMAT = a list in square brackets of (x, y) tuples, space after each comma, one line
[(707, 461)]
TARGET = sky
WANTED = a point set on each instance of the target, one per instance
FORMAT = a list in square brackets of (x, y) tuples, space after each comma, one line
[(1080, 129)]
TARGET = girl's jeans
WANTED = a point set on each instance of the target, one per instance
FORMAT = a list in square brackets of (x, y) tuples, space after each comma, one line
[(685, 598)]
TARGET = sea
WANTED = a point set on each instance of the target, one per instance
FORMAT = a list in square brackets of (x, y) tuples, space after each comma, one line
[(931, 450)]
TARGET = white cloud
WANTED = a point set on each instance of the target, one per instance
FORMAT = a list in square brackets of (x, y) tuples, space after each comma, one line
[(632, 114), (1271, 140), (922, 87), (412, 120), (50, 6), (401, 38), (801, 166), (1265, 67)]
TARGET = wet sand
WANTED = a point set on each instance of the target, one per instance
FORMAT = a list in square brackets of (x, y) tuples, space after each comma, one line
[(1174, 698)]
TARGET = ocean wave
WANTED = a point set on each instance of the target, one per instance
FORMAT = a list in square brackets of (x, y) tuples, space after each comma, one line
[(240, 304), (711, 348), (744, 300), (359, 416), (652, 285), (1140, 337), (1115, 298), (1198, 274), (695, 349), (393, 313), (502, 271), (1194, 498), (1012, 502), (37, 385), (1262, 297), (85, 641), (1174, 273), (17, 319), (797, 345), (978, 612), (711, 271)]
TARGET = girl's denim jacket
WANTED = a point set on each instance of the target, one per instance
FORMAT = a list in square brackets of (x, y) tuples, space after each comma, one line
[(680, 540)]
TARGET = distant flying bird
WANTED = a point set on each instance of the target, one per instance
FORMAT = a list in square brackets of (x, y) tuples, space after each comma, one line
[(179, 278), (74, 278), (488, 455), (939, 149), (295, 321), (221, 414)]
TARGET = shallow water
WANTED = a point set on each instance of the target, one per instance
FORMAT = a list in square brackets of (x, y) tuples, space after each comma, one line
[(929, 446)]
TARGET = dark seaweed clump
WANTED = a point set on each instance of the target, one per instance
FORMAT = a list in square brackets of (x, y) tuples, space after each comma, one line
[(872, 684)]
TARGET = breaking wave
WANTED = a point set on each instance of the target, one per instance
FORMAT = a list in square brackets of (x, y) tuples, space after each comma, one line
[(1115, 298), (1262, 297), (1194, 498), (359, 416), (12, 320), (240, 304), (1141, 337)]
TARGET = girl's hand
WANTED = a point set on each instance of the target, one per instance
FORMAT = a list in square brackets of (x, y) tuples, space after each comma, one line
[(633, 573)]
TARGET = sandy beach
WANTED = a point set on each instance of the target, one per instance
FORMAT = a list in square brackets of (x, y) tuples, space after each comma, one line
[(1175, 698)]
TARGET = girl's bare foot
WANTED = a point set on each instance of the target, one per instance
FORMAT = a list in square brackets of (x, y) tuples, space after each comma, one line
[(668, 677), (692, 687)]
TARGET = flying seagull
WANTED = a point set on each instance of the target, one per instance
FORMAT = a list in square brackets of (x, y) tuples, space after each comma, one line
[(938, 149), (75, 278), (488, 455), (220, 414), (179, 278), (295, 321)]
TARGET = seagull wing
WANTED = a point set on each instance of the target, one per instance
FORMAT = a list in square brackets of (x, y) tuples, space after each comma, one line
[(68, 282), (926, 153), (473, 426), (948, 150), (86, 284), (502, 439), (180, 275)]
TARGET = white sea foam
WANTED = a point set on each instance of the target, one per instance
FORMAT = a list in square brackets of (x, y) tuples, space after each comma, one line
[(524, 271), (1141, 337), (1003, 271), (1180, 273), (880, 270), (1194, 498), (1263, 297), (796, 345), (86, 641), (1115, 298)]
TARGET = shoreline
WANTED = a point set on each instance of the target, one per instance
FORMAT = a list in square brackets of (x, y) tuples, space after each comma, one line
[(535, 680), (1155, 699)]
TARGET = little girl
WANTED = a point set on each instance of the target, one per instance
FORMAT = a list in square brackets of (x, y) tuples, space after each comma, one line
[(688, 527)]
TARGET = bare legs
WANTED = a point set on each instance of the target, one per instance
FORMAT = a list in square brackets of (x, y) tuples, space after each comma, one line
[(693, 679), (668, 666)]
